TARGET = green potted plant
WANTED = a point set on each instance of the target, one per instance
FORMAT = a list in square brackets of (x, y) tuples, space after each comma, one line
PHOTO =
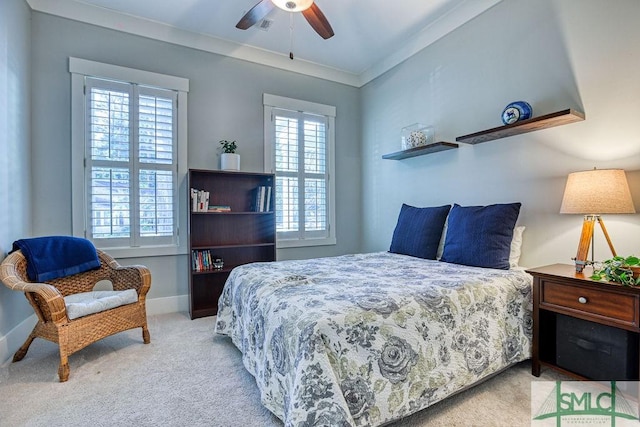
[(624, 270), (229, 159)]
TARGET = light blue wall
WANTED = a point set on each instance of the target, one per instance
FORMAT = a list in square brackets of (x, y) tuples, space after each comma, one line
[(15, 148), (555, 54), (225, 102)]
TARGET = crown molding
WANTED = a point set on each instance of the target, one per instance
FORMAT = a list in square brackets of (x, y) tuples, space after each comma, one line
[(82, 12)]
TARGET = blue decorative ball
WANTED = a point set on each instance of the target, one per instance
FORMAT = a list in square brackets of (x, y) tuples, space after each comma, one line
[(516, 111)]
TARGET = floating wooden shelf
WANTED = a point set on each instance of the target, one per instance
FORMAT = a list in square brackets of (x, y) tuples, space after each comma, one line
[(558, 118), (420, 151)]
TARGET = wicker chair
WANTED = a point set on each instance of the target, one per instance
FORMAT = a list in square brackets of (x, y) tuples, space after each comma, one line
[(49, 305)]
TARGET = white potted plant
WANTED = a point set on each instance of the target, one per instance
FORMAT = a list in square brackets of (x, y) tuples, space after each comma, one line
[(229, 159)]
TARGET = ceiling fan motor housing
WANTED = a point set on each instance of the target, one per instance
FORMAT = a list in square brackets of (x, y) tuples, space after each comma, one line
[(293, 5)]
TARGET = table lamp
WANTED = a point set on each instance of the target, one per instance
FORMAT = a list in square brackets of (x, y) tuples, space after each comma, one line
[(592, 193)]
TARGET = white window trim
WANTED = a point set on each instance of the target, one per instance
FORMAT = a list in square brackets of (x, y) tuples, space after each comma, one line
[(271, 102), (79, 68)]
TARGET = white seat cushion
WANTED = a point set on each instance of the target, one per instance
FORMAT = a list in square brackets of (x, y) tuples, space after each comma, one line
[(85, 303)]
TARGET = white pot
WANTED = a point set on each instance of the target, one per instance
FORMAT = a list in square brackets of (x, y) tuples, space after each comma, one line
[(230, 162)]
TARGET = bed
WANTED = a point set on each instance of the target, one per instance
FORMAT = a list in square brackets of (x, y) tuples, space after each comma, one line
[(367, 339), (362, 340)]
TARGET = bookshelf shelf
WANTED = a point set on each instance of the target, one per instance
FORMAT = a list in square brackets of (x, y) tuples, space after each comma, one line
[(232, 213), (238, 246), (239, 236), (225, 270)]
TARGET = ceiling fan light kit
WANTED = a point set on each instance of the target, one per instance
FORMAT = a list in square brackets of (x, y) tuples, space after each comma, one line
[(308, 8), (293, 6)]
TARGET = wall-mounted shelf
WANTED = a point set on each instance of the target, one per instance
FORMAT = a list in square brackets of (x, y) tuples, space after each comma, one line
[(558, 118), (420, 151)]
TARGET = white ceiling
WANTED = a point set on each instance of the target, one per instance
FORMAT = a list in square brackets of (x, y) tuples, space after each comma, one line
[(371, 36)]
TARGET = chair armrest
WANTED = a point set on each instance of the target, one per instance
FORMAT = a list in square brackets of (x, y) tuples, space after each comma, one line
[(136, 277), (125, 277), (48, 295)]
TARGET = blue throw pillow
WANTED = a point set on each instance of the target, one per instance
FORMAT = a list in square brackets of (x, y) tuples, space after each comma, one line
[(480, 236), (419, 230)]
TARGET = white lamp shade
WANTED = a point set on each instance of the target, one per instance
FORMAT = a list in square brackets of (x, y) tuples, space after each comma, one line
[(293, 5), (598, 191)]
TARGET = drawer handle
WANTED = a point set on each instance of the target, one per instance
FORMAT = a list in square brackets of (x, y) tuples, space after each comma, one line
[(583, 344), (582, 300)]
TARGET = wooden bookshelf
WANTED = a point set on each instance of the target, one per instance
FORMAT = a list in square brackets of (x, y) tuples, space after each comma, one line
[(421, 151), (239, 236), (557, 118)]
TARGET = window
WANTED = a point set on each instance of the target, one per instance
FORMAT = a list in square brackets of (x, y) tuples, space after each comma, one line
[(299, 147), (129, 155)]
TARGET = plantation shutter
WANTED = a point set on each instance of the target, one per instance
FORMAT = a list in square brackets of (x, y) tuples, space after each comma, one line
[(130, 164), (300, 145)]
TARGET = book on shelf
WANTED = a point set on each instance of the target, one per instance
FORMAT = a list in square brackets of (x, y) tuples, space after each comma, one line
[(202, 260), (268, 200), (262, 202), (219, 208), (199, 200)]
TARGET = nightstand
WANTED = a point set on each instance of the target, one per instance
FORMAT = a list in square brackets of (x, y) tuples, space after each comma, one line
[(584, 328)]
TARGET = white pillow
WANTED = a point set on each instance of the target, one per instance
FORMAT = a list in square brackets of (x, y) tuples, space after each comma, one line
[(442, 239), (516, 246), (85, 303)]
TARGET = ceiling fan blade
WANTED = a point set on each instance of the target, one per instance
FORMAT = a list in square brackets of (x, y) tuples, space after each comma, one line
[(257, 13), (318, 21)]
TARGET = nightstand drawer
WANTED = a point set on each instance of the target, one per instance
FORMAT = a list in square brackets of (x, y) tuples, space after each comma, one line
[(612, 305)]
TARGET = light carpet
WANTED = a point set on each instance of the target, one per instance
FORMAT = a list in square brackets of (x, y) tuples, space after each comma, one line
[(188, 376)]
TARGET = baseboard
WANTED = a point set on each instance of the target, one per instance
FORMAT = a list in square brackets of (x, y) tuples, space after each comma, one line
[(12, 341), (166, 305)]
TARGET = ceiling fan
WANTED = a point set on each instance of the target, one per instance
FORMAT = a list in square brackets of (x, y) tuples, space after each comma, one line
[(309, 9)]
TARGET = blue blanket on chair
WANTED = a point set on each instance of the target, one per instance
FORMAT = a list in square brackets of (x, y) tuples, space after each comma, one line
[(57, 256)]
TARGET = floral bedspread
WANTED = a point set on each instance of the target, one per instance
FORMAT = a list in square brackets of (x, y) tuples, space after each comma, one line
[(362, 340)]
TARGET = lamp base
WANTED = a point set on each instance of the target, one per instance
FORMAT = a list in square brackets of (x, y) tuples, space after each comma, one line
[(580, 265), (586, 240)]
